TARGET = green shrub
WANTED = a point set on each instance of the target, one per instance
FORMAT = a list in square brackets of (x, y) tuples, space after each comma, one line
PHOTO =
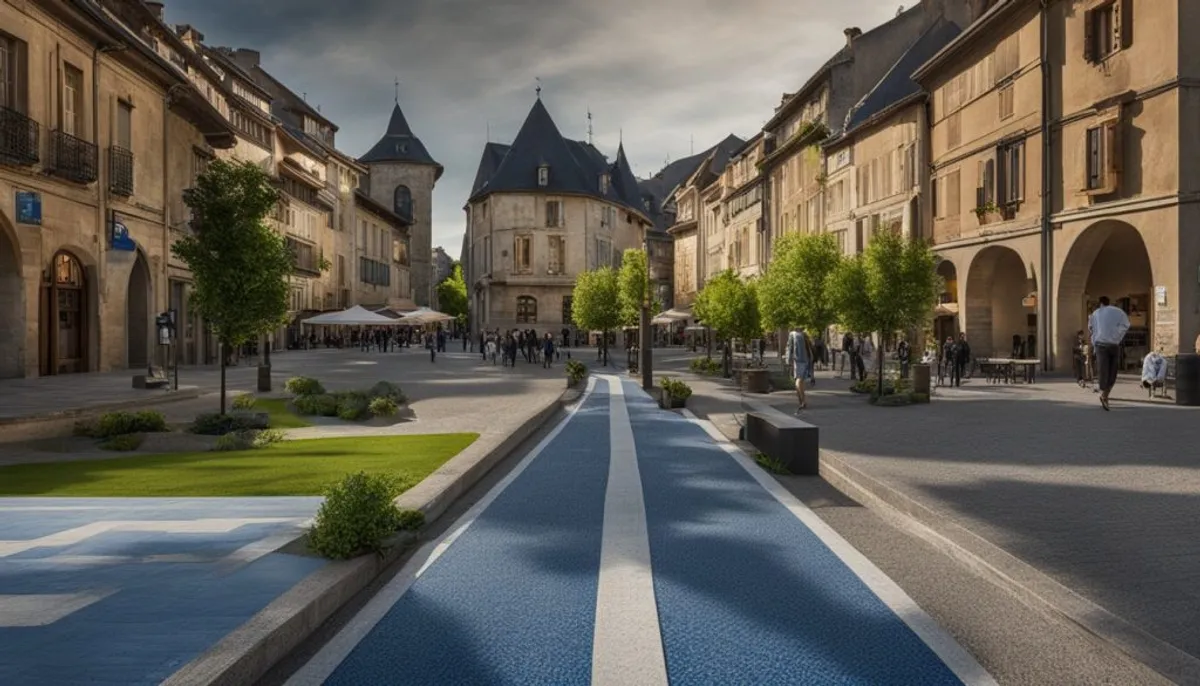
[(383, 407), (676, 389), (112, 424), (576, 371), (238, 440), (352, 410), (303, 385), (411, 520), (216, 424), (265, 437), (244, 401), (704, 365), (122, 443), (322, 405), (387, 389), (356, 517), (771, 464)]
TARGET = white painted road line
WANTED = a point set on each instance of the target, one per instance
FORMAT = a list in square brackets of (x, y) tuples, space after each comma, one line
[(83, 533), (627, 648), (322, 665), (44, 610), (962, 663)]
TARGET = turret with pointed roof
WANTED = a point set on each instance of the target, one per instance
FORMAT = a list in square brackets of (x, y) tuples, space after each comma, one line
[(400, 144), (571, 167)]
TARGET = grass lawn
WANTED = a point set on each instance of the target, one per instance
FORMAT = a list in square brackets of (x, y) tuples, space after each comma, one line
[(281, 416), (287, 468)]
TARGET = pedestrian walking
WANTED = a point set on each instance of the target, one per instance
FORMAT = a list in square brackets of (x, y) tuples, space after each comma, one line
[(1108, 325), (903, 355), (799, 359), (547, 351), (961, 355)]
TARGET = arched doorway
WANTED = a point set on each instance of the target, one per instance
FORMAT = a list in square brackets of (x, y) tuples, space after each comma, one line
[(137, 313), (63, 321), (998, 310), (12, 309), (945, 323), (1109, 258)]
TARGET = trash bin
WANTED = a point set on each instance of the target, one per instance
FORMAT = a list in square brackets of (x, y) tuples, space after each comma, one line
[(920, 378), (1187, 379)]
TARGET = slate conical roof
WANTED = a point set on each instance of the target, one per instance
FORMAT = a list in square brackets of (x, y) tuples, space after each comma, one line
[(575, 167), (400, 144)]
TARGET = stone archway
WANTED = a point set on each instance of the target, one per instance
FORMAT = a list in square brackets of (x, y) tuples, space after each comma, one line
[(137, 313), (1108, 259), (947, 315), (63, 322), (12, 307), (998, 281)]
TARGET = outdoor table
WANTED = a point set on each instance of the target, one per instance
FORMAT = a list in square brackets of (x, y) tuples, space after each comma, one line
[(1028, 369)]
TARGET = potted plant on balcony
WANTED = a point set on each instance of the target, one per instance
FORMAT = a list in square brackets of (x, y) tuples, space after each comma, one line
[(674, 394), (987, 212)]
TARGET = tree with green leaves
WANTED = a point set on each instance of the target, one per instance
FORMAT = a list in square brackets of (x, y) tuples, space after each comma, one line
[(595, 304), (452, 295), (891, 287), (240, 265), (729, 307), (794, 290)]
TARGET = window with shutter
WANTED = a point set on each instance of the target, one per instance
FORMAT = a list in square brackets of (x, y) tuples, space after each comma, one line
[(1006, 102), (72, 101)]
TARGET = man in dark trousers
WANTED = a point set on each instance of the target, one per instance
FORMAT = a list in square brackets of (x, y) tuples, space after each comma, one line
[(962, 356), (1109, 325)]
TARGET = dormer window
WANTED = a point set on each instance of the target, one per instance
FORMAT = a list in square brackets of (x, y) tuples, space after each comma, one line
[(544, 175), (604, 183)]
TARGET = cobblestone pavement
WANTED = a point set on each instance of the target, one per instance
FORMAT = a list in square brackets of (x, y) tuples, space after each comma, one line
[(1105, 503), (457, 393)]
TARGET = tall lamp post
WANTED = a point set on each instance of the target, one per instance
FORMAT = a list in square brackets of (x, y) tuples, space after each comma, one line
[(644, 338)]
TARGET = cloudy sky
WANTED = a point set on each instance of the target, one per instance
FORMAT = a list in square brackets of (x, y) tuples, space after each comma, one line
[(659, 72)]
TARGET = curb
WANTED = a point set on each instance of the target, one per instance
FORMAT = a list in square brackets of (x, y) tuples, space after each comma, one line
[(1031, 586), (244, 655), (62, 422)]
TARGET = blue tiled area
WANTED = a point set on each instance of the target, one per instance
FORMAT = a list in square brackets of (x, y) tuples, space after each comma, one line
[(746, 593), (157, 599), (512, 601)]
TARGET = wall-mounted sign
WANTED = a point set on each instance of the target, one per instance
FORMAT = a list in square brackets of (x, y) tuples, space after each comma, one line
[(1160, 295), (29, 207), (119, 235), (1029, 300)]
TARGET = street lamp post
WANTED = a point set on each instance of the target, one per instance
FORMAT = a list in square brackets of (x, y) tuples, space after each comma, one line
[(644, 338)]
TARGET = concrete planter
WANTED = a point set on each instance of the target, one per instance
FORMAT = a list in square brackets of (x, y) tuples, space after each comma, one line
[(670, 402), (756, 380)]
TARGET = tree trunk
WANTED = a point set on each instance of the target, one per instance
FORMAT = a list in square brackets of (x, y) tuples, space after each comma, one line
[(727, 358), (879, 355), (222, 355), (708, 342), (604, 348)]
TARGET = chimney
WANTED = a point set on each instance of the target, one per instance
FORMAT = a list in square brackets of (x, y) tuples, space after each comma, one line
[(156, 8), (247, 56), (852, 33)]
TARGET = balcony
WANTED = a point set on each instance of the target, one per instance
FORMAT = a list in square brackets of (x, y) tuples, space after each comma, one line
[(327, 197), (72, 158), (19, 138), (307, 259), (120, 171)]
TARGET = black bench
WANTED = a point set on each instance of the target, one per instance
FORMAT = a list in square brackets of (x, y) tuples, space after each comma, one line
[(790, 440), (157, 378)]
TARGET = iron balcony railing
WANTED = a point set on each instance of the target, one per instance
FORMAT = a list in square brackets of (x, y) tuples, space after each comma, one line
[(19, 138), (72, 158), (120, 170)]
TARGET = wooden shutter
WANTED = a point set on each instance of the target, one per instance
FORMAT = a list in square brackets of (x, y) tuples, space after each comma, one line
[(1122, 24), (1112, 155), (1089, 38)]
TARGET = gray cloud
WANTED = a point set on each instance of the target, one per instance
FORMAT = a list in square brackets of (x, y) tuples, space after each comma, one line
[(657, 72)]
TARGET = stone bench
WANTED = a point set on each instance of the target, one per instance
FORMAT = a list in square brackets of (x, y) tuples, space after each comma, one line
[(157, 378), (790, 440)]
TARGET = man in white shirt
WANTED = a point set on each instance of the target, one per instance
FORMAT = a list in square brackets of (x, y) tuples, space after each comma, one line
[(1108, 325), (800, 358)]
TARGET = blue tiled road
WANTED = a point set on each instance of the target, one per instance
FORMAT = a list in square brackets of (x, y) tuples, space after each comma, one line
[(163, 596), (512, 601), (743, 591)]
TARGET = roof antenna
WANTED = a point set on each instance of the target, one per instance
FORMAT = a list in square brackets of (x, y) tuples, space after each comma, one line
[(621, 137), (397, 90), (538, 89), (589, 126), (489, 132), (304, 96), (692, 145)]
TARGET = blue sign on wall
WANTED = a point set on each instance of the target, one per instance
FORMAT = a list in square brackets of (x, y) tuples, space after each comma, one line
[(29, 207), (120, 239)]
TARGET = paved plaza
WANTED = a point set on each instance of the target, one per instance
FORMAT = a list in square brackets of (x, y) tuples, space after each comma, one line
[(1105, 503), (631, 547), (124, 591)]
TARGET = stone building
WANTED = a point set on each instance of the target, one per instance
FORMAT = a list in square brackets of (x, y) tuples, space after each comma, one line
[(542, 210), (382, 260), (101, 128), (873, 168), (1064, 148), (794, 163), (697, 230), (401, 175), (442, 266)]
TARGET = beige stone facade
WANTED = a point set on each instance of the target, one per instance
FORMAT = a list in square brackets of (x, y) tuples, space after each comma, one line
[(1032, 246), (383, 258), (94, 138), (417, 180)]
